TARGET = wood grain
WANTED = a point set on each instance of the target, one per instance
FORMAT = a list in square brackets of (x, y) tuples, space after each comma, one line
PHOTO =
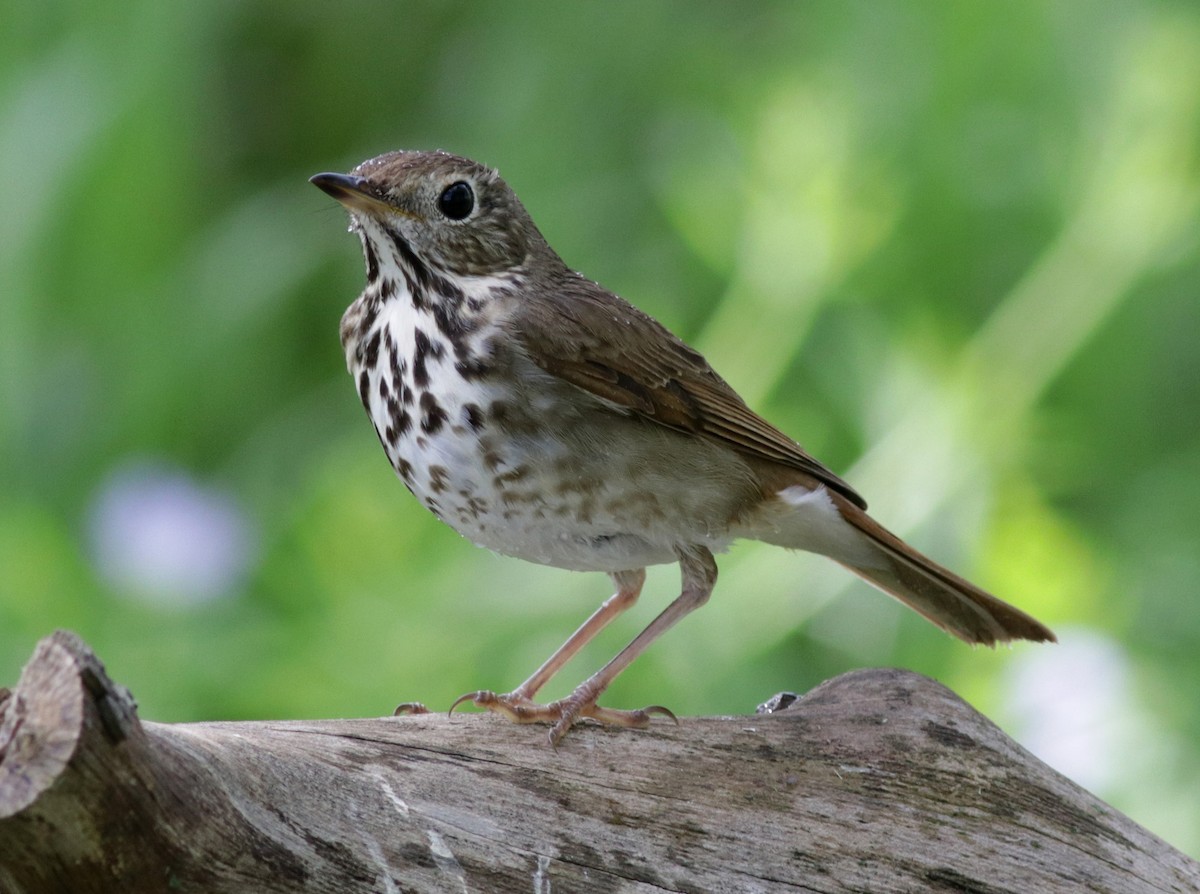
[(876, 781)]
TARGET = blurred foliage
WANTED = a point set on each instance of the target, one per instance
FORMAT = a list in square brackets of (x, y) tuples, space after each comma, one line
[(953, 247)]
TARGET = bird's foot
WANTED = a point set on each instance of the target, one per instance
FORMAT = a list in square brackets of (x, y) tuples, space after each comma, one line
[(562, 714)]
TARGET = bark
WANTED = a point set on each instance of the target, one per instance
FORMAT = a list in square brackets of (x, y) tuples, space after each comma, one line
[(876, 781)]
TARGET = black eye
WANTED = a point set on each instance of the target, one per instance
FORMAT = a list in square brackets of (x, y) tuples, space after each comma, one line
[(457, 201)]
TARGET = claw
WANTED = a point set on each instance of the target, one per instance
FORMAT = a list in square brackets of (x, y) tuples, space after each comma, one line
[(513, 705), (467, 697), (409, 708), (664, 711)]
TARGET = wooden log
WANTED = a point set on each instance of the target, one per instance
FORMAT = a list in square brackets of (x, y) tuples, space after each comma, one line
[(876, 781)]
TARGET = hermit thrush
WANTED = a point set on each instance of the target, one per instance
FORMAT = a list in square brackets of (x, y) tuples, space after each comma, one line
[(544, 417)]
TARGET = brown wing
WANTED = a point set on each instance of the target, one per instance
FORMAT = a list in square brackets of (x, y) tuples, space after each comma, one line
[(595, 340)]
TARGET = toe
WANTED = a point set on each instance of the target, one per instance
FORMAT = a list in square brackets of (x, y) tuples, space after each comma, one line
[(512, 705), (409, 708), (636, 719)]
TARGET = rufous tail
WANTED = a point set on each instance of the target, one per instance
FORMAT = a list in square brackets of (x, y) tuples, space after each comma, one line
[(954, 604)]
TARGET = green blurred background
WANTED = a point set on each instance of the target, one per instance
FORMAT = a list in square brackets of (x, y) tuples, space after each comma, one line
[(954, 248)]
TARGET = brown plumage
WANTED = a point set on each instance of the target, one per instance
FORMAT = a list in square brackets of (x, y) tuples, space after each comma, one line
[(545, 417)]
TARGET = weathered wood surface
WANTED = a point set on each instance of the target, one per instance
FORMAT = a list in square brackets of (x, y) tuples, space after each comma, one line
[(877, 781)]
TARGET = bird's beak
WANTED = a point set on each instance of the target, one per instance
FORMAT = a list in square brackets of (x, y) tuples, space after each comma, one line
[(354, 193)]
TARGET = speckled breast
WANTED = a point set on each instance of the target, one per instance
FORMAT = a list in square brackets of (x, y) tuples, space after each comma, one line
[(517, 461)]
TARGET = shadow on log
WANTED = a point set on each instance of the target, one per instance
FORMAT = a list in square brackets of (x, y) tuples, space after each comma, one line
[(877, 781)]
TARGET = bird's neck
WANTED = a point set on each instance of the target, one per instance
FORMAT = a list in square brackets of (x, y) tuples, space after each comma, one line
[(406, 296)]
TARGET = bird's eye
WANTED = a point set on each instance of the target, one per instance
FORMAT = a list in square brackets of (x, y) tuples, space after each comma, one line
[(457, 200)]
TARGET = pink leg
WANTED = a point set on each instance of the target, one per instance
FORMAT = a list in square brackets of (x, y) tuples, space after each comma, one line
[(629, 587), (699, 576), (518, 705)]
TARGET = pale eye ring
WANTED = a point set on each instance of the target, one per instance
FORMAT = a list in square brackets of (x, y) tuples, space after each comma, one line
[(457, 200)]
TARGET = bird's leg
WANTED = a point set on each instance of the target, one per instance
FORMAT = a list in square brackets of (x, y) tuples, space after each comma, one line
[(518, 705), (629, 587), (699, 572)]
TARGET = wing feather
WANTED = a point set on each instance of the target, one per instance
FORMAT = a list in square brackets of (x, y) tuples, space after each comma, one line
[(596, 341)]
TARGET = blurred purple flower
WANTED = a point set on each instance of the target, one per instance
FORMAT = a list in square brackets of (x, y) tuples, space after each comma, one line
[(159, 535)]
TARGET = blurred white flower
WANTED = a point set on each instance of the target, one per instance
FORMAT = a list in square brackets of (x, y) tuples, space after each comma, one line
[(1074, 707), (157, 534)]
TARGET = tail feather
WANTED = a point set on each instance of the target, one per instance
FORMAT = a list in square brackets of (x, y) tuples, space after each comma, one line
[(954, 604)]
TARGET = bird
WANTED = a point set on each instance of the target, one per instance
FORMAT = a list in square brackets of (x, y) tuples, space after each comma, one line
[(544, 417)]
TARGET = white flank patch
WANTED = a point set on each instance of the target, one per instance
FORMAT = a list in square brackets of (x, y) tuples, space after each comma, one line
[(808, 520)]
